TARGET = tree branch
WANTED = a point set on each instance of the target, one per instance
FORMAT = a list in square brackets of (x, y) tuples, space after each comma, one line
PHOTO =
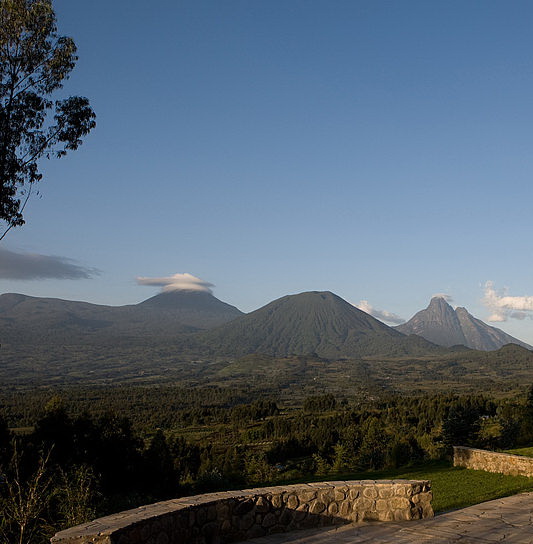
[(21, 210)]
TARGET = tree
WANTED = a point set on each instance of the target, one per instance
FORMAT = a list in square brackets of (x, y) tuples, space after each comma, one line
[(374, 444), (461, 426), (34, 63)]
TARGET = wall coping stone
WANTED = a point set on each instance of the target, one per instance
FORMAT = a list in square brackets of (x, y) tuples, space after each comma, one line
[(232, 516)]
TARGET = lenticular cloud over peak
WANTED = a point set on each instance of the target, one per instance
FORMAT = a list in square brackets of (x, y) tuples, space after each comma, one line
[(178, 282), (445, 296)]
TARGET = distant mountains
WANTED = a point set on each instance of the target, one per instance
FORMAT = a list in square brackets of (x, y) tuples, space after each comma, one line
[(51, 320), (441, 324), (312, 323), (191, 335), (196, 325)]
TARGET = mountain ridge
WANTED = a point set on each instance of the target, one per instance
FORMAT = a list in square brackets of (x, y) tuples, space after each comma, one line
[(26, 318), (441, 324), (311, 322)]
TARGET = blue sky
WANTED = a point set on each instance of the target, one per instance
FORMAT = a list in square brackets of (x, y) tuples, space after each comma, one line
[(378, 149)]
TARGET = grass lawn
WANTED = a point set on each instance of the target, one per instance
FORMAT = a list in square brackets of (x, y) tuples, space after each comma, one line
[(453, 487), (528, 452), (457, 487)]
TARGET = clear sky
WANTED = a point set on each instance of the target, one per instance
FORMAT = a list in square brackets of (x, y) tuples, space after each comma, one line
[(381, 150)]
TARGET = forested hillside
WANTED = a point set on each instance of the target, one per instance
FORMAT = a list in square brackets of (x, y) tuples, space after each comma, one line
[(95, 453)]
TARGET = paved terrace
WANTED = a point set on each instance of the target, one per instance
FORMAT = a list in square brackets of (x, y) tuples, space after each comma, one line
[(506, 520)]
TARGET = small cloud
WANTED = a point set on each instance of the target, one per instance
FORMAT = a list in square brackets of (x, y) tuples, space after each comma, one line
[(34, 266), (504, 306), (382, 315), (178, 282), (497, 318), (446, 297)]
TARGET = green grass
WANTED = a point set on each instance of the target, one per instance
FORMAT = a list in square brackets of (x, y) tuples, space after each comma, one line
[(527, 452), (457, 487), (453, 487)]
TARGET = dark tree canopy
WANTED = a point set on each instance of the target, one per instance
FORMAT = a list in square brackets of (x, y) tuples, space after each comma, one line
[(34, 63)]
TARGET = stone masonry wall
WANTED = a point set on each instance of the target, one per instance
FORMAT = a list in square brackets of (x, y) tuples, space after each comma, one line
[(233, 516), (491, 461)]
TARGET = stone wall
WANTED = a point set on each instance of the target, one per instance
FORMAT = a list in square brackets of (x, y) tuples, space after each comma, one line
[(491, 461), (233, 516)]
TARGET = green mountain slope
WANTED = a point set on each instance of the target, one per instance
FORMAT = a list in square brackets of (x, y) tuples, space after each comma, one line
[(25, 319), (312, 322)]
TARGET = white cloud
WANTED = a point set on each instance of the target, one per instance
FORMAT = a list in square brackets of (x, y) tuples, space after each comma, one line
[(446, 297), (178, 282), (504, 306), (34, 266), (382, 315)]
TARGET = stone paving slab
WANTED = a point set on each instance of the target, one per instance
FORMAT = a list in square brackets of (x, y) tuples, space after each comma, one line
[(508, 520)]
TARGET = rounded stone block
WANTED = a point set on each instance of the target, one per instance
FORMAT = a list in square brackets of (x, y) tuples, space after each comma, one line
[(427, 510), (269, 520), (326, 495), (369, 516), (386, 515), (222, 510), (211, 512), (400, 490), (363, 504), (333, 509), (385, 492), (345, 509), (307, 496), (277, 501), (401, 515), (353, 493), (339, 494), (399, 503), (300, 513), (293, 502), (370, 492), (262, 504), (244, 506), (317, 507), (246, 521), (286, 517)]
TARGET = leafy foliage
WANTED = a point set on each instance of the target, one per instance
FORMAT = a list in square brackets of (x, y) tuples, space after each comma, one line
[(170, 441), (34, 63)]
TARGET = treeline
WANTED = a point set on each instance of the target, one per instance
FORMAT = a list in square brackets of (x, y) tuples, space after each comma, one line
[(86, 464), (394, 432), (148, 407)]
